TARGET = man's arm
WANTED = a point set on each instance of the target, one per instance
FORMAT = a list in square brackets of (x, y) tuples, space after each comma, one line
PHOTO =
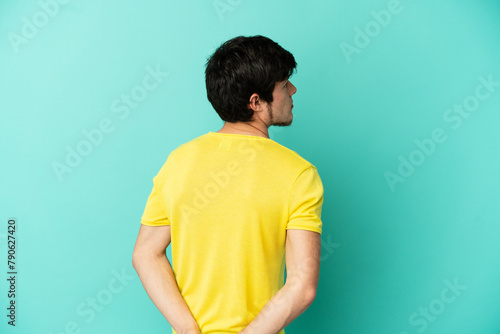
[(303, 252), (155, 272)]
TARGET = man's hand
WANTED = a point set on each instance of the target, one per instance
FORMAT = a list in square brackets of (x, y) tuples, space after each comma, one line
[(303, 253), (157, 277)]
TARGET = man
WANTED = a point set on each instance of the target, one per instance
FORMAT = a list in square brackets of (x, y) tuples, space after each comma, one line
[(236, 206)]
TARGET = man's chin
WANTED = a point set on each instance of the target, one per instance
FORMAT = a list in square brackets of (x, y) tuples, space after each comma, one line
[(283, 123)]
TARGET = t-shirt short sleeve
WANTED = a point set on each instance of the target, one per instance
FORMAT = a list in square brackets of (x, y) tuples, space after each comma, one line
[(154, 214), (306, 200)]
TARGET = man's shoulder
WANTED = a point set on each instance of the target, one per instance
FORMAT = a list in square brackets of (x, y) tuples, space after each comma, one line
[(177, 153), (293, 157), (189, 145)]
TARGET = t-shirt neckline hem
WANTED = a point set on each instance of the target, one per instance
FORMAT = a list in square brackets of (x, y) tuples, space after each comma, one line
[(239, 135)]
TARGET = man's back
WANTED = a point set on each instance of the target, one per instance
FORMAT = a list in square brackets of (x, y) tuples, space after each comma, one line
[(229, 199)]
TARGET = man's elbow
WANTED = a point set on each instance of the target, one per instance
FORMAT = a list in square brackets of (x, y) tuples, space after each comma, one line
[(305, 292), (145, 255), (310, 295), (136, 258)]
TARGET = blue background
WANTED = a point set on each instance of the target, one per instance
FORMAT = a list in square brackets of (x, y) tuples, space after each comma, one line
[(391, 245)]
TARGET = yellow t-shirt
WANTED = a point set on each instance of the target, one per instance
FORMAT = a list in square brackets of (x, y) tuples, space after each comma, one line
[(229, 199)]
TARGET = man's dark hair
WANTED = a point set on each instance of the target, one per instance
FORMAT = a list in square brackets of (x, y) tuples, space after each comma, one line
[(241, 67)]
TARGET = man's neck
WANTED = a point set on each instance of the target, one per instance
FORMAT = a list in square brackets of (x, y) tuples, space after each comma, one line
[(244, 129)]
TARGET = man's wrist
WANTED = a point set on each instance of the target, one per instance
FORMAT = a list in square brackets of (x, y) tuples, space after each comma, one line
[(194, 330)]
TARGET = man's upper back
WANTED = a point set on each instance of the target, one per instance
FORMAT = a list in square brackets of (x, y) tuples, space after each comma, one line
[(229, 199)]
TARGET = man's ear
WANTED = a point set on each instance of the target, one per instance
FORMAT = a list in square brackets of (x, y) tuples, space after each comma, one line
[(255, 102)]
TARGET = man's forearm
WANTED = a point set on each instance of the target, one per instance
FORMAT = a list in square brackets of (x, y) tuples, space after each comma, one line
[(286, 305), (157, 277)]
